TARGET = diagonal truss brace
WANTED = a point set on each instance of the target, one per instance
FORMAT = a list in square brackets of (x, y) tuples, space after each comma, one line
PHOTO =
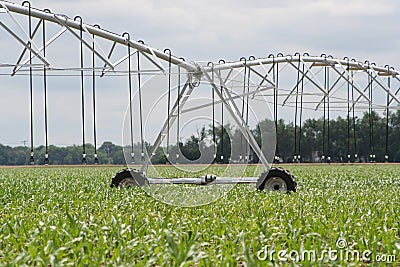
[(226, 98), (385, 88), (350, 79), (30, 41), (308, 70), (397, 91), (231, 106), (24, 50), (83, 41), (237, 96), (109, 56), (180, 102), (264, 78), (118, 62), (331, 90), (38, 54), (298, 83), (382, 85), (49, 42)]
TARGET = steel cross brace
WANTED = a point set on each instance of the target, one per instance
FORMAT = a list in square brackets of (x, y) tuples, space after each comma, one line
[(144, 49), (118, 62), (229, 103), (304, 74), (354, 84), (235, 113), (30, 41), (252, 93), (382, 85), (264, 78), (397, 91), (49, 42), (42, 58), (89, 46), (330, 90), (319, 86), (180, 102), (24, 50), (341, 75)]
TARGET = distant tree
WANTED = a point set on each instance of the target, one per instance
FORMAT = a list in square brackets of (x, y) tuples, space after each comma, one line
[(223, 142), (191, 148), (200, 149)]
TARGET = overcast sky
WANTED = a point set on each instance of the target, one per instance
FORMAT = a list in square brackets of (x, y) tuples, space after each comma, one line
[(228, 29), (205, 30)]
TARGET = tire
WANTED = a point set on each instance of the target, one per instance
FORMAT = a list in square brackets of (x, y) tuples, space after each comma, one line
[(129, 178), (277, 179)]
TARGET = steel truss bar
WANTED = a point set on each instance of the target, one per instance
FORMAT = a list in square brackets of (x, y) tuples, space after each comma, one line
[(397, 91), (159, 55), (287, 94), (335, 109), (294, 88), (30, 41), (179, 103), (116, 63), (315, 101), (297, 84), (96, 43), (43, 59), (319, 86), (264, 78), (231, 106), (353, 82), (97, 32), (109, 56), (343, 101), (268, 72), (158, 63), (202, 181), (227, 76), (49, 42), (382, 85), (89, 46), (5, 65), (219, 101), (24, 50), (308, 59), (365, 89), (121, 60), (330, 89), (266, 75)]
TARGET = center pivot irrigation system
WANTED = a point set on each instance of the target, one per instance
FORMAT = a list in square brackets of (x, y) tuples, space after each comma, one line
[(235, 95)]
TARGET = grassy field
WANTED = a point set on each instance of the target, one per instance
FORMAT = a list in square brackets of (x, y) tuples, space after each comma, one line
[(340, 215)]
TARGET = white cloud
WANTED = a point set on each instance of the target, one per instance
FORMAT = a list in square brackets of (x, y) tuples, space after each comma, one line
[(352, 8)]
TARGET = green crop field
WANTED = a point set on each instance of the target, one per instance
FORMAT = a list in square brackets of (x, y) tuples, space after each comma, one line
[(340, 215)]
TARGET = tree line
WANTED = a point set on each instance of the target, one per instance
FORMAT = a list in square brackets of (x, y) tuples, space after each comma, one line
[(369, 135), (314, 141)]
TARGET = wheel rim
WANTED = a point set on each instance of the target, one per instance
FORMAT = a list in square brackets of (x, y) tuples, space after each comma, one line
[(275, 184), (127, 182)]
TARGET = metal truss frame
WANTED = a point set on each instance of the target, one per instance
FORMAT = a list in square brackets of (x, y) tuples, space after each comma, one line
[(304, 65)]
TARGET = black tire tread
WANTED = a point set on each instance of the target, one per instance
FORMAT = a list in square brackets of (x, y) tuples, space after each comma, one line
[(280, 172), (121, 175)]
